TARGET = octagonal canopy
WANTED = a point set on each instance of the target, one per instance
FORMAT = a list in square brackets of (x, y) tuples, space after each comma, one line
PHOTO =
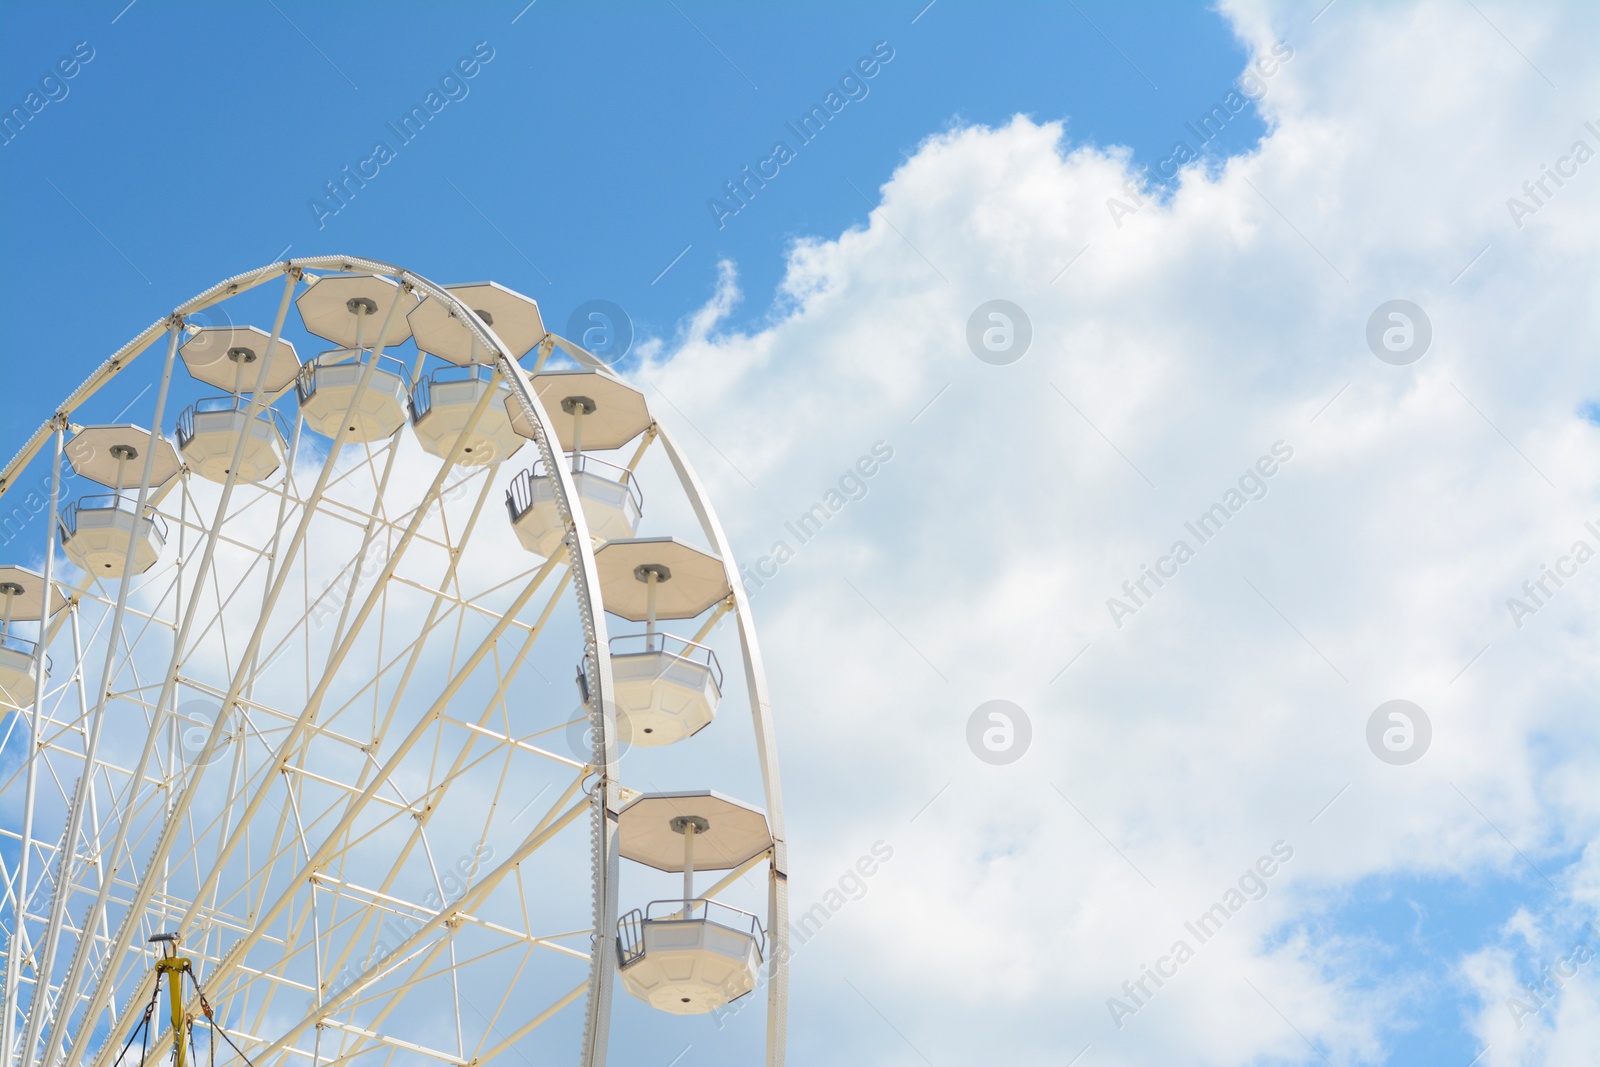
[(229, 357), (327, 308), (513, 317), (28, 604), (688, 581), (614, 411), (735, 831), (94, 451)]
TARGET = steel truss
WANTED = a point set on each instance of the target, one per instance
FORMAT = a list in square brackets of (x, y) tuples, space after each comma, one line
[(301, 837)]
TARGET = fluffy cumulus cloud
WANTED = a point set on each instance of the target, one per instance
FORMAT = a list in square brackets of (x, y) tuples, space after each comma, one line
[(924, 531)]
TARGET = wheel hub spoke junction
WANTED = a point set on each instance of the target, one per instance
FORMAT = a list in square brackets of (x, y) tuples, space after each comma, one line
[(284, 688)]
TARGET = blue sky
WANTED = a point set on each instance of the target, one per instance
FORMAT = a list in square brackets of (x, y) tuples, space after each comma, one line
[(577, 166), (1219, 314)]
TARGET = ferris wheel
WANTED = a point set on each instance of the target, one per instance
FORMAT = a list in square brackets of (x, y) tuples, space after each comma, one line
[(380, 687)]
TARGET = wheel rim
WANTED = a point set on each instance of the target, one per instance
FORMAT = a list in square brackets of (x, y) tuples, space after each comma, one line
[(348, 849)]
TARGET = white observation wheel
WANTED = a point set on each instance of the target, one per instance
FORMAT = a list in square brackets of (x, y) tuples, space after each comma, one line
[(287, 670)]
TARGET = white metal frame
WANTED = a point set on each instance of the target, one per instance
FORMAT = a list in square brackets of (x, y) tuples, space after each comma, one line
[(82, 1013)]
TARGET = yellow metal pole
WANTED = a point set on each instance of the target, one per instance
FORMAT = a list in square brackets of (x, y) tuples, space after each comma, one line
[(175, 994), (174, 967)]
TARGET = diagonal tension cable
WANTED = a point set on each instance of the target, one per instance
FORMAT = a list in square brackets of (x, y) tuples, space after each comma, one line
[(142, 1028), (205, 1006)]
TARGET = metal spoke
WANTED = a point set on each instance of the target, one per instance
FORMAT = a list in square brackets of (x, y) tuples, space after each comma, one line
[(377, 713)]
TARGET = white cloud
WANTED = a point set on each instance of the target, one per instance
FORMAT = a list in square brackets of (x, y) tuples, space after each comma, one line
[(1231, 709)]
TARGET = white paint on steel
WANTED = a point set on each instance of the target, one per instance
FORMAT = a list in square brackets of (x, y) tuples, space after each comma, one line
[(100, 956)]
